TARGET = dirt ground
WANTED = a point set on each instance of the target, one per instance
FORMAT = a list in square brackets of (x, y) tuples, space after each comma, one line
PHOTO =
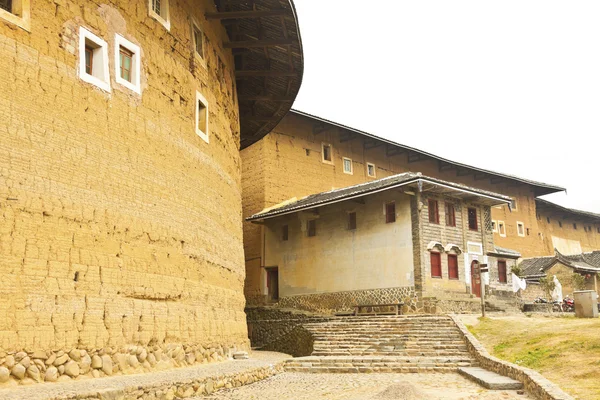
[(564, 349), (305, 386)]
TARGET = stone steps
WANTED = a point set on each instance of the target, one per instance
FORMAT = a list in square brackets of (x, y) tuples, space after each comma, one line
[(489, 379), (353, 364)]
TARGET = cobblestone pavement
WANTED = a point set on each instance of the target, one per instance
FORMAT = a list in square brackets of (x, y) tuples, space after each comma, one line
[(303, 386)]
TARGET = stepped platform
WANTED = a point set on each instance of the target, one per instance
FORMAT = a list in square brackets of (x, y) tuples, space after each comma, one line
[(489, 379)]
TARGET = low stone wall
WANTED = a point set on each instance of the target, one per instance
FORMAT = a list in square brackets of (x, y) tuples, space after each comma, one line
[(281, 330), (534, 382), (60, 366), (345, 301)]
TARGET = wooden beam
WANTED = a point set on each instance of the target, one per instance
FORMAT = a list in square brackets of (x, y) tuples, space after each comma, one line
[(371, 144), (266, 98), (246, 44), (393, 151), (245, 14), (414, 157), (346, 137), (248, 73)]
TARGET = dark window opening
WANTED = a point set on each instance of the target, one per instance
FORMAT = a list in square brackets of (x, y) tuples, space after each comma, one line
[(559, 224), (436, 265), (6, 5), (472, 219), (450, 215), (198, 41), (548, 219), (126, 63), (452, 266), (527, 230), (502, 271), (312, 227), (352, 221), (390, 213), (574, 226), (326, 152), (284, 232), (434, 216)]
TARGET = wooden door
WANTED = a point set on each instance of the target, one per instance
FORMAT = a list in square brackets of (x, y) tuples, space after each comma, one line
[(272, 284), (475, 279), (502, 271), (452, 266)]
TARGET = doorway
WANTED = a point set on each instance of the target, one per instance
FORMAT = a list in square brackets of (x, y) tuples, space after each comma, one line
[(272, 284), (475, 279)]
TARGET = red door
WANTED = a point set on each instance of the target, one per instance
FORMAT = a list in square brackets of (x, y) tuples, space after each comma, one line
[(475, 279)]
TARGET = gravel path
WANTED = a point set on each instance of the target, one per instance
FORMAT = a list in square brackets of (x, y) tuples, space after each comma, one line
[(303, 386)]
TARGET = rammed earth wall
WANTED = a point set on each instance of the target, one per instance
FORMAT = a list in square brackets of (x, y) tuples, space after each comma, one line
[(120, 228)]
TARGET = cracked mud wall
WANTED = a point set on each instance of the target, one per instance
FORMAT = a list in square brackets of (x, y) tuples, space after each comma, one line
[(119, 225)]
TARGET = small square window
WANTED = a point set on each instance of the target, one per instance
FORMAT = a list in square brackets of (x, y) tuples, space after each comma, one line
[(450, 214), (501, 229), (494, 226), (371, 173), (93, 60), (201, 117), (198, 40), (284, 233), (352, 221), (472, 214), (347, 165), (17, 12), (434, 215), (513, 204), (127, 64), (390, 213), (327, 157), (520, 229), (311, 228), (159, 10)]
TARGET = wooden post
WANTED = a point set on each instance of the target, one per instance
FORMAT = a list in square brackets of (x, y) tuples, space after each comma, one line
[(483, 268)]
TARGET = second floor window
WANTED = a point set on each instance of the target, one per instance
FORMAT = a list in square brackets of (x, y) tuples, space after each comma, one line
[(6, 5), (472, 219), (352, 221), (284, 233), (126, 63), (390, 213), (434, 215), (312, 228), (450, 215)]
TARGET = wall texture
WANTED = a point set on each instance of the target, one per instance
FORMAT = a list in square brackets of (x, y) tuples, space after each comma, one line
[(120, 230)]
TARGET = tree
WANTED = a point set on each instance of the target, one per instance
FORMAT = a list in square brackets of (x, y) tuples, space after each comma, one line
[(578, 281), (547, 285)]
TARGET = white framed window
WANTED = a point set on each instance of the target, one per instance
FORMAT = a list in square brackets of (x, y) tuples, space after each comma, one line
[(17, 12), (513, 204), (201, 117), (347, 165), (474, 248), (520, 229), (159, 10), (501, 229), (371, 170), (494, 226), (127, 64), (326, 153), (197, 40), (93, 60)]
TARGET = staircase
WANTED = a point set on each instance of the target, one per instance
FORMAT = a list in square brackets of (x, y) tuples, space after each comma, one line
[(419, 343)]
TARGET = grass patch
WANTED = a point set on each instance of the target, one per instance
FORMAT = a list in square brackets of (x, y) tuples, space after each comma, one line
[(564, 350)]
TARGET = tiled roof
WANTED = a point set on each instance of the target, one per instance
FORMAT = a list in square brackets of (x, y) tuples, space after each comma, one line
[(506, 252), (364, 189), (586, 214), (541, 188), (537, 266)]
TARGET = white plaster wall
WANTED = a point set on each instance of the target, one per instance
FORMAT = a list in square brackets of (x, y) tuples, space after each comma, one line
[(375, 255)]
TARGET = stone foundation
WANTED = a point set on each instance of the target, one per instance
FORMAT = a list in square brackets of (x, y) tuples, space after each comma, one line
[(339, 302), (60, 366)]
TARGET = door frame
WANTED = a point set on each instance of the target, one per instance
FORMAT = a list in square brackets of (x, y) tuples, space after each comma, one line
[(269, 273)]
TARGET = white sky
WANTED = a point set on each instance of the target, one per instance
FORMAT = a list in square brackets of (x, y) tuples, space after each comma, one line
[(512, 86)]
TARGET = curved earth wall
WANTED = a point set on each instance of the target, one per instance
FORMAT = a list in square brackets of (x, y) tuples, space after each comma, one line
[(120, 227)]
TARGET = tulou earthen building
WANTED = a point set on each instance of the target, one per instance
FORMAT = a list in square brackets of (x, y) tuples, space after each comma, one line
[(306, 155), (120, 177)]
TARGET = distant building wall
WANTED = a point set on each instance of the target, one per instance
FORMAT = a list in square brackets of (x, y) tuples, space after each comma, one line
[(567, 233), (376, 255)]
